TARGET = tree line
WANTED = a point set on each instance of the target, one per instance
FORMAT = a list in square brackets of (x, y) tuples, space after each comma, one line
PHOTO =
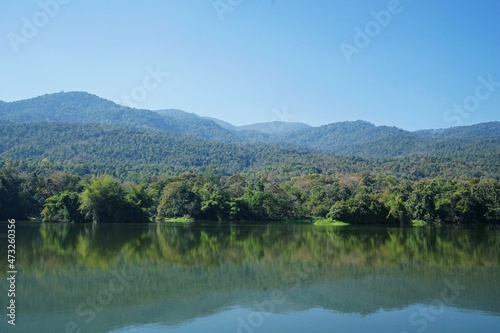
[(362, 198), (83, 148)]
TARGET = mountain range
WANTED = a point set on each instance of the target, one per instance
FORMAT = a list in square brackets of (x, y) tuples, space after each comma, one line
[(72, 125)]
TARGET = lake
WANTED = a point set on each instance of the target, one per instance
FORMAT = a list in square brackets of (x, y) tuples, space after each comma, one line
[(255, 278)]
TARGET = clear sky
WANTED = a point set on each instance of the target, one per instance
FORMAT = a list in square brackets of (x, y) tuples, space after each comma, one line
[(430, 64)]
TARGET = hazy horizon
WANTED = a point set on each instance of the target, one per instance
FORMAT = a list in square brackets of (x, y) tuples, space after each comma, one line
[(250, 124)]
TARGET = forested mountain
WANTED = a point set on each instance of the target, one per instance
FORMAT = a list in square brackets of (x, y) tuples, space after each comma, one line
[(80, 128), (272, 127), (483, 129), (95, 148), (224, 124), (363, 139), (275, 127), (87, 108), (409, 145), (56, 150), (78, 107), (116, 147), (338, 137), (194, 125), (358, 138), (247, 135)]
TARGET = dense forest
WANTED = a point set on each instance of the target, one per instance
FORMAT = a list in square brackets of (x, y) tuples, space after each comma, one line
[(87, 148), (356, 138), (355, 198), (74, 157)]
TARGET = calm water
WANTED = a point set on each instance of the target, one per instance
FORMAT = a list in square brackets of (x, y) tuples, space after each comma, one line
[(300, 278)]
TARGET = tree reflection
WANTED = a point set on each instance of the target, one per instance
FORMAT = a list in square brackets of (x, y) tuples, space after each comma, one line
[(104, 246)]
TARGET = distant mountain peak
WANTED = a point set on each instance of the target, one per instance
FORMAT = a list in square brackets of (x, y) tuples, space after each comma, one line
[(175, 113), (275, 127), (358, 122), (482, 129), (360, 137), (224, 124), (81, 97), (81, 94)]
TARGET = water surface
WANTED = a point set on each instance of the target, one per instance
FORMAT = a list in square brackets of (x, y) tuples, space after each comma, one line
[(276, 278)]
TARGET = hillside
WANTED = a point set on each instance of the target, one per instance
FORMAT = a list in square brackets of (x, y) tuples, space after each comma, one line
[(275, 127), (80, 128), (483, 129), (194, 125), (272, 127), (366, 140), (86, 108), (358, 138), (114, 147), (95, 148), (224, 124), (338, 137), (407, 145), (78, 107)]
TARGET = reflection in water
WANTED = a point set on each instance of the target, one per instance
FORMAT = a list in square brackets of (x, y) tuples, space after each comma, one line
[(101, 278)]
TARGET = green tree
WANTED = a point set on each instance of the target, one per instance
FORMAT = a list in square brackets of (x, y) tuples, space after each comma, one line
[(11, 206), (236, 185), (62, 207), (103, 200), (421, 201), (139, 203), (397, 209), (217, 207), (178, 200)]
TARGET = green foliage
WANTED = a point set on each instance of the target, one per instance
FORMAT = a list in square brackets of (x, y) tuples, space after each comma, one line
[(397, 208), (51, 145), (136, 154), (198, 246), (21, 194), (337, 137), (420, 223), (81, 107), (177, 200), (101, 199), (104, 200), (216, 206), (181, 220), (80, 133), (330, 222), (354, 199), (62, 207), (10, 201)]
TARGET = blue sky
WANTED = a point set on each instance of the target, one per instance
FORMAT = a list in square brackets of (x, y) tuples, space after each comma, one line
[(432, 64)]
